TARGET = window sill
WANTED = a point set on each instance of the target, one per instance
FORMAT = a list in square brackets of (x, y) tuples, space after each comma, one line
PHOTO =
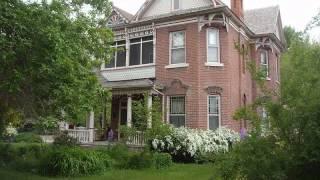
[(181, 65), (214, 64)]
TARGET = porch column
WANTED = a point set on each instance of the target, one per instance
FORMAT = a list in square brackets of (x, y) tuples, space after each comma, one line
[(91, 126), (150, 111), (129, 111)]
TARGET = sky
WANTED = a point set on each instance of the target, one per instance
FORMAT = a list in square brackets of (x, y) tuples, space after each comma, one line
[(294, 13)]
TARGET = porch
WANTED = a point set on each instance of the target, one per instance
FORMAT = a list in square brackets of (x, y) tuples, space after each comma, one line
[(124, 96)]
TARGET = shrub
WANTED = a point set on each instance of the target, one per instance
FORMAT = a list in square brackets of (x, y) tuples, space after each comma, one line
[(47, 125), (140, 161), (120, 154), (28, 137), (75, 162), (23, 157), (162, 160), (63, 139), (187, 145), (254, 158)]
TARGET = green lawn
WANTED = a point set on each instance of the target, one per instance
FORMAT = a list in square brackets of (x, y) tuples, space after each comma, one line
[(176, 172)]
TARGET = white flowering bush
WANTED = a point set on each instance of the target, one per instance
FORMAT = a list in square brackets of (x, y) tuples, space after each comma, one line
[(10, 131), (191, 143)]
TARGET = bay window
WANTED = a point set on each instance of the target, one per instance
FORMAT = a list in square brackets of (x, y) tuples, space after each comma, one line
[(213, 49), (141, 51), (264, 62), (178, 50), (177, 112), (214, 112)]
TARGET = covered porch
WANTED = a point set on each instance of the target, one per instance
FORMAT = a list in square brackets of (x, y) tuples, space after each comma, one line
[(124, 96)]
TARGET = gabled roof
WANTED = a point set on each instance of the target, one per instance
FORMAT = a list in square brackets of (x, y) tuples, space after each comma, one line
[(124, 13), (146, 5), (119, 17), (262, 20)]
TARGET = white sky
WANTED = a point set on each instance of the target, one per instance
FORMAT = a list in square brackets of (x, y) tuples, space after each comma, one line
[(294, 13)]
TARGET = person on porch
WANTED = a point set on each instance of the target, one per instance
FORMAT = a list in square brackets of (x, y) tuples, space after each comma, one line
[(110, 134)]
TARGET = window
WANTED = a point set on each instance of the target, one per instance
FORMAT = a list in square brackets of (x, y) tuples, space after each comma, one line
[(214, 112), (213, 53), (177, 114), (141, 51), (178, 50), (278, 69), (119, 56), (264, 62), (175, 5), (243, 48)]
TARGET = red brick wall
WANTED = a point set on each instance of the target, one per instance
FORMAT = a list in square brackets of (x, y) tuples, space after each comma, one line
[(197, 77)]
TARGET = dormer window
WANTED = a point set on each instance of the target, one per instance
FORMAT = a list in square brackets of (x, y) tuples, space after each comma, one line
[(176, 5)]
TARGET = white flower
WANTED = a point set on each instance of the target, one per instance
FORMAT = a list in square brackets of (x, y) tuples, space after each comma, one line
[(10, 131)]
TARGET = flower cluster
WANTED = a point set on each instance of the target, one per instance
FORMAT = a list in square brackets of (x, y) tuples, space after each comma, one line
[(10, 131), (193, 142)]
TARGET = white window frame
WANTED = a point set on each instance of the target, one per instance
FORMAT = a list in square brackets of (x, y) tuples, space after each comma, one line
[(116, 46), (169, 109), (177, 65), (141, 42), (172, 5), (218, 63), (268, 63), (208, 112)]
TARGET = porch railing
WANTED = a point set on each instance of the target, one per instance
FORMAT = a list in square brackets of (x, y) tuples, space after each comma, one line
[(137, 139), (82, 136)]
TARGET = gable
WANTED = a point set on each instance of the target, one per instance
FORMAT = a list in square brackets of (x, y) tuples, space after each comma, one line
[(159, 7), (118, 17)]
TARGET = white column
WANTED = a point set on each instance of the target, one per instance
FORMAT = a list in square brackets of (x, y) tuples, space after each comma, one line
[(91, 127), (129, 111), (150, 111)]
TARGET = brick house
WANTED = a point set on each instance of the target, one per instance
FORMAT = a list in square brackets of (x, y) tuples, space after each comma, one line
[(183, 51)]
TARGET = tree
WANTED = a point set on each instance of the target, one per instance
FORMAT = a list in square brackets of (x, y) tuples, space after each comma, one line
[(48, 52)]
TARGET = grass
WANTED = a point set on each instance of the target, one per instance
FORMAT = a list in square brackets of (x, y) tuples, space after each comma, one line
[(176, 172)]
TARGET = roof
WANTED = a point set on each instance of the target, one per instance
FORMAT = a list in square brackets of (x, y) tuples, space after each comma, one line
[(262, 20), (139, 83), (124, 13)]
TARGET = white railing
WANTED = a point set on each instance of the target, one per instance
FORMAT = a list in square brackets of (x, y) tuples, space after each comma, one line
[(137, 139), (82, 136)]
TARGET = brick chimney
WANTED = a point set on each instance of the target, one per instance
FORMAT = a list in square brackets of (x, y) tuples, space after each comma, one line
[(237, 8)]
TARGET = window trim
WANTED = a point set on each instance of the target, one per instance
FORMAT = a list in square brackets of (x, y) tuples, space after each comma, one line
[(208, 113), (178, 65), (172, 5), (169, 108), (218, 63), (268, 63), (115, 53), (278, 69)]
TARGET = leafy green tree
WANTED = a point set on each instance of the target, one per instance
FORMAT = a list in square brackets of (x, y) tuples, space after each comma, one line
[(48, 51)]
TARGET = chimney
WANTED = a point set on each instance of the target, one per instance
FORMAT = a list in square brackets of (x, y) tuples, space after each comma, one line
[(237, 8)]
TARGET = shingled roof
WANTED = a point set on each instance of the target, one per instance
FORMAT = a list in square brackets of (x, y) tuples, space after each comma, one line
[(124, 13), (262, 20)]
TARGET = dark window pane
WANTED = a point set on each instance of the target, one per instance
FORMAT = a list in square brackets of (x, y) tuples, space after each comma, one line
[(147, 53), (121, 43), (135, 54), (135, 40), (111, 63), (121, 57), (148, 38), (177, 121), (213, 122)]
